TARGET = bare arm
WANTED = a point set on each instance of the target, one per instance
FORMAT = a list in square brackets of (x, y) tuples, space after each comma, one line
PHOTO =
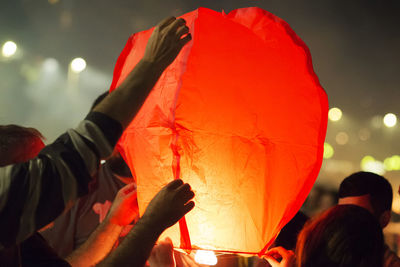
[(165, 209), (123, 211), (97, 247)]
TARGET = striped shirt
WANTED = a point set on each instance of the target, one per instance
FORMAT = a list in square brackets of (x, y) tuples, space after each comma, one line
[(34, 193)]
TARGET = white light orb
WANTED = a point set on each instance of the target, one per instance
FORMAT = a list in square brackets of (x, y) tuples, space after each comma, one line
[(78, 65), (9, 49), (390, 120), (335, 114)]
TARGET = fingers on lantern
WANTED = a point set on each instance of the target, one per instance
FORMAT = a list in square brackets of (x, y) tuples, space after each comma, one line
[(241, 116)]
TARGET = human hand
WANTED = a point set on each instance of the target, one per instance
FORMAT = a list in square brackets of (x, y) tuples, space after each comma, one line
[(166, 42), (125, 207), (162, 254), (287, 257), (170, 204)]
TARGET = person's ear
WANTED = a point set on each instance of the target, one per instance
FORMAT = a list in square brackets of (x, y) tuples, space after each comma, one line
[(385, 218)]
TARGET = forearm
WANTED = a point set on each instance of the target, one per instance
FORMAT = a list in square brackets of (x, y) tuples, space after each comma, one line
[(136, 247), (123, 103), (97, 247)]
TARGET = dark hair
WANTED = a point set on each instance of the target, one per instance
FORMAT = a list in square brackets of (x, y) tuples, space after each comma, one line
[(343, 236), (377, 187), (288, 235), (19, 144), (99, 99)]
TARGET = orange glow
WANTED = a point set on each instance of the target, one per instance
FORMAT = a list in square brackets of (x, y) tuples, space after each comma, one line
[(241, 116)]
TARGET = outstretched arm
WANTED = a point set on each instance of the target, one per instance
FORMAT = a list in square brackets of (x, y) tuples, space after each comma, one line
[(164, 45), (165, 209)]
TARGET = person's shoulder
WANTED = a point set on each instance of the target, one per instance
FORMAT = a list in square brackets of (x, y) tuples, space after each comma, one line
[(390, 258)]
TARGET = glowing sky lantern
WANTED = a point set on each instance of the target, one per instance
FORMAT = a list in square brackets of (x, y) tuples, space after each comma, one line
[(241, 116)]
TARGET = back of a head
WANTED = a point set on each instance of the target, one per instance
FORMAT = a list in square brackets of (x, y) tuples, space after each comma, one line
[(343, 236), (367, 183), (19, 144)]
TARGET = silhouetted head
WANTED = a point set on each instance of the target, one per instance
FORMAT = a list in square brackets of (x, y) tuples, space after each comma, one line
[(370, 191), (343, 236), (19, 144)]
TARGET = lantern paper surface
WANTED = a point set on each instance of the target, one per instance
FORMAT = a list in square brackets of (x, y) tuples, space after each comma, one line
[(241, 116)]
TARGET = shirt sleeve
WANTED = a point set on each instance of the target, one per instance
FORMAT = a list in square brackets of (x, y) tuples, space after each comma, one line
[(34, 193)]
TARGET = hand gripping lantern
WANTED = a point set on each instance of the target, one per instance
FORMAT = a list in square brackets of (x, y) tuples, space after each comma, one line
[(241, 116)]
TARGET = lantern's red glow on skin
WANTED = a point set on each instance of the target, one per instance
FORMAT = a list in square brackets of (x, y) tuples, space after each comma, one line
[(240, 116)]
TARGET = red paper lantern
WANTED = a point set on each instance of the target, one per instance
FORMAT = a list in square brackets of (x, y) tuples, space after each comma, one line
[(241, 116)]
